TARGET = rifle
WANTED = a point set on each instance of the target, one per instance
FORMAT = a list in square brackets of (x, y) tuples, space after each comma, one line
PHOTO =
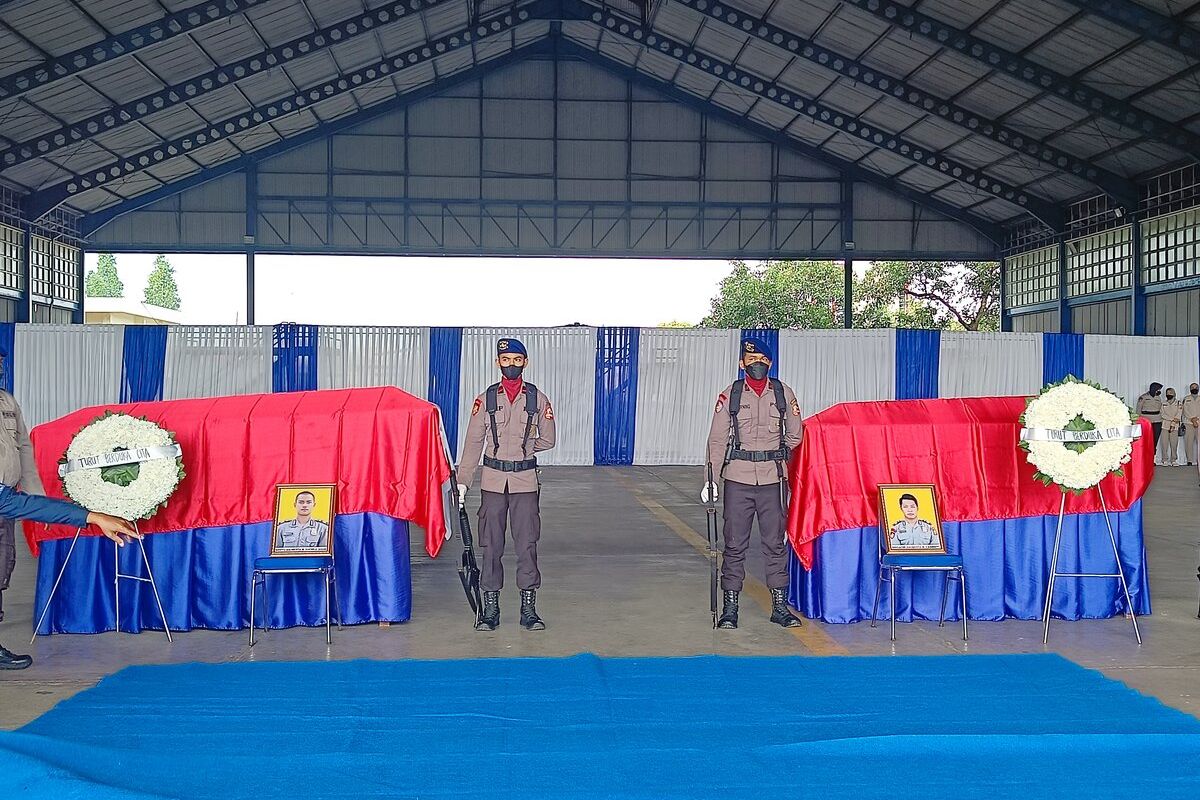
[(711, 509), (468, 567)]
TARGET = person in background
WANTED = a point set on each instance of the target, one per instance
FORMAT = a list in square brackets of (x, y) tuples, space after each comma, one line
[(1149, 407), (18, 505), (1191, 423), (17, 468), (1172, 421)]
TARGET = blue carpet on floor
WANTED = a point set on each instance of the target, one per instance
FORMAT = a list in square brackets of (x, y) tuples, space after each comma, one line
[(588, 727)]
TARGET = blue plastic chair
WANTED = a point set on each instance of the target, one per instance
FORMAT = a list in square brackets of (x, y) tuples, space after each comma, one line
[(950, 565), (294, 565)]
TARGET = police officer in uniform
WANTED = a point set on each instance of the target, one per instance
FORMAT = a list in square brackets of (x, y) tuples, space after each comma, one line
[(17, 468), (1149, 405), (303, 532), (1191, 422), (510, 424), (755, 426), (911, 532), (1172, 422)]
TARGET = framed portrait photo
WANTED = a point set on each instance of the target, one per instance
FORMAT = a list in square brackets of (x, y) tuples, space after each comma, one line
[(303, 520), (909, 519)]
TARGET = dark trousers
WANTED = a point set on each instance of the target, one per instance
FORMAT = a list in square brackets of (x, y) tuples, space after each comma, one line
[(1157, 428), (8, 551), (496, 510), (742, 504)]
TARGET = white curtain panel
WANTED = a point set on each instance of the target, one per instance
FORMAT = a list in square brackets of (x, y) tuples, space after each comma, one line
[(562, 363), (825, 368), (63, 368), (1129, 364), (358, 357), (990, 364), (680, 374), (217, 361)]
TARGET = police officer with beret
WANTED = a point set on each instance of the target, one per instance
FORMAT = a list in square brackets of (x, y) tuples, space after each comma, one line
[(755, 426), (510, 424)]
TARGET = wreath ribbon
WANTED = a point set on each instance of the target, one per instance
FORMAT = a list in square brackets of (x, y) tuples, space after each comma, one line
[(1098, 435), (119, 457)]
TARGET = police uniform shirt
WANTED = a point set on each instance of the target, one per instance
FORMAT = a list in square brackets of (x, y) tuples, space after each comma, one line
[(1172, 415), (511, 419), (1191, 408), (1150, 407), (759, 421), (17, 465), (913, 534), (291, 535)]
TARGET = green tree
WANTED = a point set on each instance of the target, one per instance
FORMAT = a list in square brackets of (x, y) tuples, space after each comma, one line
[(103, 281), (947, 295), (780, 294), (675, 324), (161, 289)]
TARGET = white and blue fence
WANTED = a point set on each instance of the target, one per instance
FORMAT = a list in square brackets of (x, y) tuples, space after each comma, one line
[(621, 395)]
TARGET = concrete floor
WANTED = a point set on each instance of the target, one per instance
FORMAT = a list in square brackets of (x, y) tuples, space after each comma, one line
[(624, 574)]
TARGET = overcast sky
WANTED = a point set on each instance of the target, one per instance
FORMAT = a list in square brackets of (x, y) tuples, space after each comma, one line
[(436, 291)]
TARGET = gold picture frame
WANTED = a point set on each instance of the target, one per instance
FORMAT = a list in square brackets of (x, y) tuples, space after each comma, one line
[(303, 524), (909, 520)]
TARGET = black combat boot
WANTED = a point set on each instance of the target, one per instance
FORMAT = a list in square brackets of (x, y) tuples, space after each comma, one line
[(530, 620), (780, 614), (489, 617), (729, 611), (10, 660)]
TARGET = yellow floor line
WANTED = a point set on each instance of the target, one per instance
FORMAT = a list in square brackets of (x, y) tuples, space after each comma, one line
[(810, 635)]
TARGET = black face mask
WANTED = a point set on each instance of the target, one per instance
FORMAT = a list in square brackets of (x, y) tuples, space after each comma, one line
[(1156, 394), (1195, 390), (758, 370), (1170, 397), (511, 373)]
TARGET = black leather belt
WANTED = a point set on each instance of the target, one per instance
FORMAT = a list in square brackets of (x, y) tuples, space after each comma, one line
[(758, 456), (510, 466)]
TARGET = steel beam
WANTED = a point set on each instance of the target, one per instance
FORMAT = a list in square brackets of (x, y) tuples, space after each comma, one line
[(1146, 23), (90, 223), (849, 169), (160, 30), (620, 27), (1031, 72), (1121, 189), (38, 203), (186, 91)]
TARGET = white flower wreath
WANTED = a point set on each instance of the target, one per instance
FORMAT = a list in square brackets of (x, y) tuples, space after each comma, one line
[(138, 466), (1076, 433)]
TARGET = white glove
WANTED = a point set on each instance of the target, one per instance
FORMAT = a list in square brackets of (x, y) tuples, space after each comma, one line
[(709, 493), (462, 495)]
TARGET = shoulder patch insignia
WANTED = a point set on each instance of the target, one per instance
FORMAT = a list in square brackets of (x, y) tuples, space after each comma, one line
[(795, 408), (721, 399), (549, 411), (475, 408)]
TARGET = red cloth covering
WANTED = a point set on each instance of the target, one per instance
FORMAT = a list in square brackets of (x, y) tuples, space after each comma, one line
[(381, 446), (966, 447)]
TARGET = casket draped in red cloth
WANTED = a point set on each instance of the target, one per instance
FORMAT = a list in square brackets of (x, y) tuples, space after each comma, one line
[(966, 447), (381, 447)]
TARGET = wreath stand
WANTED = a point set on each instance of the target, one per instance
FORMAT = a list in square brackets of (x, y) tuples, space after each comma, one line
[(117, 577), (1055, 574)]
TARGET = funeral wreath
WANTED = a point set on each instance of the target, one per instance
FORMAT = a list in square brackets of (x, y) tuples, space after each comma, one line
[(122, 465), (1076, 433)]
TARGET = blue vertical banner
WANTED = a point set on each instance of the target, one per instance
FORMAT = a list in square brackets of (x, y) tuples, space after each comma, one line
[(143, 363), (616, 394), (1062, 355), (8, 331), (445, 358), (770, 337), (917, 355), (294, 361)]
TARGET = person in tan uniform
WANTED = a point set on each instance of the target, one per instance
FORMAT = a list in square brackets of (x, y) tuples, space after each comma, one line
[(17, 468), (1172, 422), (1191, 423), (1149, 406), (511, 422), (755, 426)]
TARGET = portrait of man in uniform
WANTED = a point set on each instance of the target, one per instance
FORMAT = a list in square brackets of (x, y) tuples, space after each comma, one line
[(303, 521), (910, 517)]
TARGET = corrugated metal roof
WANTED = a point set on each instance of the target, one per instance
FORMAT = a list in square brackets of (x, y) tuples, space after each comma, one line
[(1058, 34)]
